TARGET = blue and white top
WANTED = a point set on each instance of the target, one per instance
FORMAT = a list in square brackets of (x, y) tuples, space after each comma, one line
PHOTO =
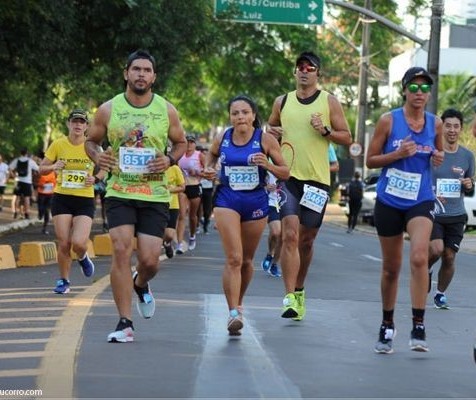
[(237, 169), (408, 181)]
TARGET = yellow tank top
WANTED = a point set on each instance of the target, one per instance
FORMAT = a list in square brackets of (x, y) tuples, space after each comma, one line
[(310, 160), (71, 179)]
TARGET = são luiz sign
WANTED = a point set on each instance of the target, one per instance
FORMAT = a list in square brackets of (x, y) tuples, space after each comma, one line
[(290, 12)]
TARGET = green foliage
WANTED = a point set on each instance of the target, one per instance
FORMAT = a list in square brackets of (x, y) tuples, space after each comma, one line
[(56, 55)]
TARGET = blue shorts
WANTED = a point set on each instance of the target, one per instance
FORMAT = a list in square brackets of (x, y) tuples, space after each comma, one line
[(250, 204)]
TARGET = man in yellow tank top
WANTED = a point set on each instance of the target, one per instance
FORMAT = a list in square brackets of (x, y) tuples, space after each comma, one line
[(137, 125), (306, 120)]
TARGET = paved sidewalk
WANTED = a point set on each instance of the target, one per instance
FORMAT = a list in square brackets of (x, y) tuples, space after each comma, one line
[(335, 214), (7, 223)]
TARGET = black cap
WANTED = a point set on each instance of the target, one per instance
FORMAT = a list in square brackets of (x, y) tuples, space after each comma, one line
[(310, 57), (416, 72), (78, 114), (191, 138)]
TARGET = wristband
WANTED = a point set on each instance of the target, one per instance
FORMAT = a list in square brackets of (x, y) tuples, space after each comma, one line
[(171, 159), (327, 131)]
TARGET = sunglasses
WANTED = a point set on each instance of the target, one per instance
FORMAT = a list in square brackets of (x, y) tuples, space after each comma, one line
[(306, 68), (424, 87)]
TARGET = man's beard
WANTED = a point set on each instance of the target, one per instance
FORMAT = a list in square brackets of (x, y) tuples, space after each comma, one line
[(139, 91)]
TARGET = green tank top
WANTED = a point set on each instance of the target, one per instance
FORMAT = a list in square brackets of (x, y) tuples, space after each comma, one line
[(137, 134), (309, 154)]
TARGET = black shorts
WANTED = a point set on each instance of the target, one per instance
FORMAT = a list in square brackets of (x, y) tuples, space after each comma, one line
[(273, 214), (450, 230), (173, 217), (72, 205), (290, 193), (147, 217), (23, 189), (193, 191), (391, 221)]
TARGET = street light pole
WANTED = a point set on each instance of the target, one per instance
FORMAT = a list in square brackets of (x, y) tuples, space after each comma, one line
[(363, 82), (437, 9)]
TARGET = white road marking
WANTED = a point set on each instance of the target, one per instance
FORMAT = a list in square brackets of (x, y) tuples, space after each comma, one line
[(237, 359), (372, 257)]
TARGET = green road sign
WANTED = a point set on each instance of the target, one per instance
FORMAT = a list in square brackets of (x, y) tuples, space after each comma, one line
[(291, 12)]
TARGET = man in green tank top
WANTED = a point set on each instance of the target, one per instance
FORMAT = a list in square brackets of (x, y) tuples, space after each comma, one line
[(306, 120), (136, 125)]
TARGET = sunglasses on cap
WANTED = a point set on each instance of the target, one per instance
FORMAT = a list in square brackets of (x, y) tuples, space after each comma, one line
[(306, 68), (414, 87)]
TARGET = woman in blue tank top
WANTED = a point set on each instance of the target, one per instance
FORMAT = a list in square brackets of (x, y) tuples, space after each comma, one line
[(406, 142), (241, 201)]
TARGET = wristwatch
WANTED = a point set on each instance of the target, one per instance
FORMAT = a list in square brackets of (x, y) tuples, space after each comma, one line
[(171, 159), (327, 130)]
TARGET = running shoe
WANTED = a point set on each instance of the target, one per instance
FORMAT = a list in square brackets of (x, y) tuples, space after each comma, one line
[(274, 270), (301, 305), (145, 300), (385, 339), (179, 250), (169, 251), (87, 266), (418, 339), (266, 263), (235, 322), (441, 301), (290, 306), (124, 332), (192, 243), (62, 286)]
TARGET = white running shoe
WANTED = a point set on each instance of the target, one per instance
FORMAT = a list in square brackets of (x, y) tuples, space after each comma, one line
[(145, 300), (125, 335)]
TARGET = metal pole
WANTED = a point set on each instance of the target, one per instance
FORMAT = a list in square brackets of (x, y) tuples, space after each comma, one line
[(384, 21), (437, 10), (363, 81)]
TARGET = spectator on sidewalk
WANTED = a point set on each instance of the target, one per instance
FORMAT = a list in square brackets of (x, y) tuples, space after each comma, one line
[(46, 187), (356, 194), (23, 168), (4, 174)]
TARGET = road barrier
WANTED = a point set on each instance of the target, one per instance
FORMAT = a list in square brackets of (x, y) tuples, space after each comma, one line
[(7, 258), (32, 254)]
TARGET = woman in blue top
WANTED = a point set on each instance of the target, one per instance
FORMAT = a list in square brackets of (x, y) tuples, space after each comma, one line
[(405, 144), (241, 201)]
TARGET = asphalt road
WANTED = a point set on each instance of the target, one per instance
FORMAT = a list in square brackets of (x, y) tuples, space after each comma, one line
[(57, 344)]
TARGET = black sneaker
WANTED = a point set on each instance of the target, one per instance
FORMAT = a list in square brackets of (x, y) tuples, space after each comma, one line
[(418, 339), (169, 251)]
